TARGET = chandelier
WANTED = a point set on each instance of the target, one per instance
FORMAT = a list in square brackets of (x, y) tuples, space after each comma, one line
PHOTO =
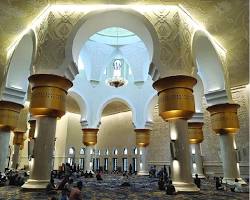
[(117, 78), (117, 71)]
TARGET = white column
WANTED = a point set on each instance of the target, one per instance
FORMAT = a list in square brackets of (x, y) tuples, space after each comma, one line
[(41, 164), (15, 157), (4, 149), (88, 164), (229, 160), (197, 166), (143, 166), (181, 167)]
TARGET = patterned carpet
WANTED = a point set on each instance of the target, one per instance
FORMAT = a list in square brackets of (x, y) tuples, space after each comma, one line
[(141, 188)]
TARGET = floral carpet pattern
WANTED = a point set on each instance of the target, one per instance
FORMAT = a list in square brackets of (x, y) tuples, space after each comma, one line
[(142, 188)]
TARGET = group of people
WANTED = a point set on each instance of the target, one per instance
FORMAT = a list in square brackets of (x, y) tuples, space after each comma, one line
[(13, 177), (164, 182)]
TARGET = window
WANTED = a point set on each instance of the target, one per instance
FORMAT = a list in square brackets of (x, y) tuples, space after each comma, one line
[(82, 151), (81, 163), (71, 151), (125, 151), (70, 161), (91, 151), (135, 151), (106, 161), (107, 152), (115, 152), (98, 152), (114, 164), (134, 164), (125, 164), (97, 163)]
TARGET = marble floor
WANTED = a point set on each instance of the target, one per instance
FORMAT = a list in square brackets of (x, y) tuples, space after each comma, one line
[(110, 188)]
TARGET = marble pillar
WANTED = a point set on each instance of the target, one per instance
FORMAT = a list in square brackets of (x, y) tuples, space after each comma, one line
[(180, 165), (176, 106), (198, 167), (225, 123), (88, 162), (15, 157), (41, 163), (48, 102), (143, 165), (4, 151)]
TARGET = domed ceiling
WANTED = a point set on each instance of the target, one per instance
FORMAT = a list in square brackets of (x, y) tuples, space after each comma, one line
[(226, 20)]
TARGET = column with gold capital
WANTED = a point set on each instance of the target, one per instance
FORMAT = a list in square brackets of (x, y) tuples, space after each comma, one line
[(142, 142), (176, 106), (225, 123), (48, 102), (89, 140), (195, 135), (9, 113)]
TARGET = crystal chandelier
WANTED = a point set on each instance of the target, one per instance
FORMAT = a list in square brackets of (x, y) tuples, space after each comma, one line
[(117, 79), (117, 71)]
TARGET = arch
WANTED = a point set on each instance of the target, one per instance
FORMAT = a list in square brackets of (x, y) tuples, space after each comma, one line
[(198, 92), (125, 151), (82, 103), (120, 99), (71, 151), (208, 62), (20, 66), (113, 17), (149, 107)]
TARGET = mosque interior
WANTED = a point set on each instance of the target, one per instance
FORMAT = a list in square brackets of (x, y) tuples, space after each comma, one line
[(135, 91)]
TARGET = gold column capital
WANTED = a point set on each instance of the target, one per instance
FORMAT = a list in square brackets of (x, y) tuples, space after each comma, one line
[(176, 100), (142, 137), (48, 94), (195, 133), (89, 136), (9, 114), (18, 137), (224, 118)]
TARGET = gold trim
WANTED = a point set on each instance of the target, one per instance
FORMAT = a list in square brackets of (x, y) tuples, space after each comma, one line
[(142, 137), (48, 95), (9, 114), (176, 100), (195, 133), (89, 136), (224, 118), (18, 138)]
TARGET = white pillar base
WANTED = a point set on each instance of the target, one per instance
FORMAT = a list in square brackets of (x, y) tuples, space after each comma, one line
[(142, 173), (231, 181), (35, 184), (185, 187)]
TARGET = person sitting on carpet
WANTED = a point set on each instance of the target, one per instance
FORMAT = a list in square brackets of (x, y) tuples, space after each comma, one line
[(98, 176), (161, 184), (76, 193), (237, 186), (218, 184), (170, 188)]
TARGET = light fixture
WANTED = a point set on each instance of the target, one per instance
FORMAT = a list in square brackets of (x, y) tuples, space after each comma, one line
[(117, 71)]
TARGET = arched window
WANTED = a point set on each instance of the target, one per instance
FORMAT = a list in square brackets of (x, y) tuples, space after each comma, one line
[(98, 152), (71, 151), (107, 152), (115, 152), (92, 151), (82, 151), (125, 151), (135, 151)]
